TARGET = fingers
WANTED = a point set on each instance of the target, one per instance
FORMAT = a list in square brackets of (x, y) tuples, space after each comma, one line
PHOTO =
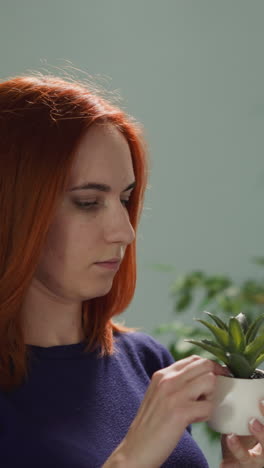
[(201, 411), (246, 451), (194, 366), (257, 429), (184, 370), (221, 370), (182, 363), (238, 449), (195, 374), (248, 442), (198, 365), (240, 453), (202, 387)]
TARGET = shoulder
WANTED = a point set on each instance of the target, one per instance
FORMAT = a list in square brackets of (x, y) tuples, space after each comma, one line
[(151, 353)]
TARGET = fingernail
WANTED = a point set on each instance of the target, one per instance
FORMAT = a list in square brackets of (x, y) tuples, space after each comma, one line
[(256, 425), (226, 371), (262, 402)]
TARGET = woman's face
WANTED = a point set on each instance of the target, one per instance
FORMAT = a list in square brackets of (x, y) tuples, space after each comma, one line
[(81, 236)]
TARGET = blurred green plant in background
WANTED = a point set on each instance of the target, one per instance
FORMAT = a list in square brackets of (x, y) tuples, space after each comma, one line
[(219, 294)]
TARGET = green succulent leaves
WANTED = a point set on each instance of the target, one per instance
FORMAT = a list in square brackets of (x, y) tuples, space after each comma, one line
[(238, 344)]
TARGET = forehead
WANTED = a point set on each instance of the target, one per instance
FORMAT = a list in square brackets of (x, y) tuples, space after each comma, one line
[(103, 154)]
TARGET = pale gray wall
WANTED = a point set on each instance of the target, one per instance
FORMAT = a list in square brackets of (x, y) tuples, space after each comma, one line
[(192, 72)]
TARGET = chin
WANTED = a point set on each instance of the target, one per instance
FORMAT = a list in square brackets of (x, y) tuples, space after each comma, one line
[(99, 291)]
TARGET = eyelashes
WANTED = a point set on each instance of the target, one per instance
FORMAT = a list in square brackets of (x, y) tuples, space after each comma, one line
[(92, 206)]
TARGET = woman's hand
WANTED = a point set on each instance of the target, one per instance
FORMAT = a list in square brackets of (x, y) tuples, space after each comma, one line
[(244, 451), (177, 396)]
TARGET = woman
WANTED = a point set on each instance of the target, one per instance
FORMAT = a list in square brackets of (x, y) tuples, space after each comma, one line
[(77, 390)]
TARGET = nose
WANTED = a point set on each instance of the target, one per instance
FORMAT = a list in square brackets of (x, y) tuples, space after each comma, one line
[(118, 227)]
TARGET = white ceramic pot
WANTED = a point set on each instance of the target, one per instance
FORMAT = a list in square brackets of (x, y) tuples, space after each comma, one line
[(236, 402)]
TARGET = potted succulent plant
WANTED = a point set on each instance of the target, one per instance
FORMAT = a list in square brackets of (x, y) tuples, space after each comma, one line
[(223, 295), (239, 344)]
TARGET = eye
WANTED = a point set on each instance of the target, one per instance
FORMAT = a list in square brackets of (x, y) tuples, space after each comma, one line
[(87, 205), (95, 205), (125, 202)]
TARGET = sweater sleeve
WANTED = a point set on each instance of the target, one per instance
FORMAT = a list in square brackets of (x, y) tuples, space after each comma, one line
[(168, 359), (153, 355)]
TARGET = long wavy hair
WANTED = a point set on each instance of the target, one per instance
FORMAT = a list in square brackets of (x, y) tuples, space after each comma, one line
[(42, 120)]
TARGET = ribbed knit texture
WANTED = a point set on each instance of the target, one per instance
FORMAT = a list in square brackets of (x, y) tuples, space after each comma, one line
[(75, 407)]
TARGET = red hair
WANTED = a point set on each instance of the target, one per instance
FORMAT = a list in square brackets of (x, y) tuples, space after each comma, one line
[(42, 120)]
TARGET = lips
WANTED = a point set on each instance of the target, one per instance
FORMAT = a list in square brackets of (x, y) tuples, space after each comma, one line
[(111, 260), (110, 265)]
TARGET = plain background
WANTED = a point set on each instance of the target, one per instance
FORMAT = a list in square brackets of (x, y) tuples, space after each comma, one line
[(192, 72)]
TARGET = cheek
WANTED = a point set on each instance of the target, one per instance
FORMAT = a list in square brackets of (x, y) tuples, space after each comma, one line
[(53, 256), (68, 246), (50, 269), (58, 261)]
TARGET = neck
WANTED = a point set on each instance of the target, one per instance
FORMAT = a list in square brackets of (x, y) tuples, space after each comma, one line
[(47, 321)]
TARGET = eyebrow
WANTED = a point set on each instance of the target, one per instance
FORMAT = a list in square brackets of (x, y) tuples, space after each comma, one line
[(100, 187)]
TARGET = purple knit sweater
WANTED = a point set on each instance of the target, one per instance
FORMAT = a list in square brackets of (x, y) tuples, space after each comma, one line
[(75, 407)]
